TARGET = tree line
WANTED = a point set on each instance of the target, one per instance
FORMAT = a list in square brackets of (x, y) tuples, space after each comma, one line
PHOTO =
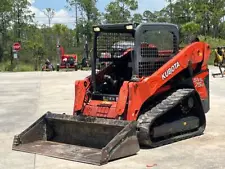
[(17, 24)]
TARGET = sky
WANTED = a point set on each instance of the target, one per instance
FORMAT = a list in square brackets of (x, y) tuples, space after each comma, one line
[(63, 16)]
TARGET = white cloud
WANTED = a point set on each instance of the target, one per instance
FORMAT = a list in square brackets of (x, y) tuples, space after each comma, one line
[(61, 16)]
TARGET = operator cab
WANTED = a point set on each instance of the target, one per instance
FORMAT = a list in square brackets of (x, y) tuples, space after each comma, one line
[(128, 52)]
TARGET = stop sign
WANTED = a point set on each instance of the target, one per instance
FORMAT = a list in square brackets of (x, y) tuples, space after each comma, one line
[(16, 46)]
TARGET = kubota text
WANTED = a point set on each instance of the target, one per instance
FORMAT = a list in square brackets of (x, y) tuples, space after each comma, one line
[(170, 70)]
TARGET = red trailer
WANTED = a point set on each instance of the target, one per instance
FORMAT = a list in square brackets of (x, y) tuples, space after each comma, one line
[(67, 61)]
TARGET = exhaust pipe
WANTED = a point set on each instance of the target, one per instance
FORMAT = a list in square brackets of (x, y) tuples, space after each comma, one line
[(78, 138)]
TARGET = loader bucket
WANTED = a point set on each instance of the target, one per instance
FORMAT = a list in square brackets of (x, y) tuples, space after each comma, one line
[(84, 139)]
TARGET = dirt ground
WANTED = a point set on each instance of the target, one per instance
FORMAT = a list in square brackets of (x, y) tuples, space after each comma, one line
[(24, 97)]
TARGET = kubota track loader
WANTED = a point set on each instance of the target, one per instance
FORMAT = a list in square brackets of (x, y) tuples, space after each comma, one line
[(150, 94)]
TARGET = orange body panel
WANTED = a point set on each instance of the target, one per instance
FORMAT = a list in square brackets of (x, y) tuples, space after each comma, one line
[(199, 84), (80, 93), (100, 109), (122, 100)]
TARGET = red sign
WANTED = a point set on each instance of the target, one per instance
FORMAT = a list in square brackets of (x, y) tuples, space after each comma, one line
[(16, 46)]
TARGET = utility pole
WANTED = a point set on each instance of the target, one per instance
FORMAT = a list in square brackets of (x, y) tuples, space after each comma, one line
[(77, 29)]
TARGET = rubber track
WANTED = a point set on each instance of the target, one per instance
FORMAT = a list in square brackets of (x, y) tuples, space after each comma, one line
[(147, 119)]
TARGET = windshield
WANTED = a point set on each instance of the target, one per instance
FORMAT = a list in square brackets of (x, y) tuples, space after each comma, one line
[(112, 45)]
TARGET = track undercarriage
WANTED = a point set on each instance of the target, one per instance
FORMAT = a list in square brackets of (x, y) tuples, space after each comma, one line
[(179, 116)]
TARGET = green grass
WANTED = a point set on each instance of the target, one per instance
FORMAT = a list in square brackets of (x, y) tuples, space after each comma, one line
[(21, 67), (214, 43)]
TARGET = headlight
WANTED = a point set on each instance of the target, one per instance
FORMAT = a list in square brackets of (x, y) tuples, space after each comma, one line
[(129, 27), (97, 29)]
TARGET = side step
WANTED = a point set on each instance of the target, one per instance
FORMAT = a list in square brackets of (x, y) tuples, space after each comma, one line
[(84, 139)]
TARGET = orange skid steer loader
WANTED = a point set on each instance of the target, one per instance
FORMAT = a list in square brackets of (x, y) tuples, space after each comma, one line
[(150, 94)]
